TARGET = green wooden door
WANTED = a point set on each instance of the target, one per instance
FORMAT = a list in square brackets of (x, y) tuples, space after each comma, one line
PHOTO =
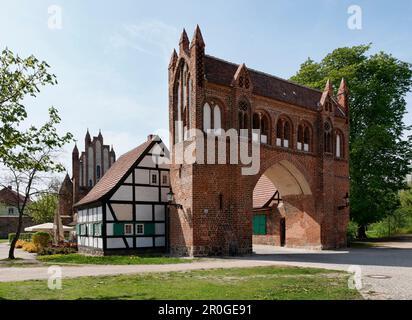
[(259, 224)]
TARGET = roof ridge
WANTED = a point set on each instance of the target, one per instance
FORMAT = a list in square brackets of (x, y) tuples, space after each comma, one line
[(265, 74)]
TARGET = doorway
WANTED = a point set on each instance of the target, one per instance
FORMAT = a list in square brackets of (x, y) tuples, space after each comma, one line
[(282, 232)]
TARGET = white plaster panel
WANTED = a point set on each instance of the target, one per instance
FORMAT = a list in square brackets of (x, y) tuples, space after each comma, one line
[(123, 212), (159, 228), (147, 161), (144, 242), (141, 176), (164, 193), (160, 212), (160, 241), (143, 212), (147, 194), (115, 243), (124, 193), (109, 229)]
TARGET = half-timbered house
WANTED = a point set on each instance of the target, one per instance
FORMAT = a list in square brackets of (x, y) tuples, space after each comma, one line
[(126, 211)]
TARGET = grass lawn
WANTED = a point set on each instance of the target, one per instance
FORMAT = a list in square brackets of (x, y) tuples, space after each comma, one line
[(115, 260), (262, 283), (4, 240)]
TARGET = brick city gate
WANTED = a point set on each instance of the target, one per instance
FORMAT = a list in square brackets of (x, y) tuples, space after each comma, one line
[(302, 135)]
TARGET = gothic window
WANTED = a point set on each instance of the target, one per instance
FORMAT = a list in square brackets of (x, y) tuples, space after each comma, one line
[(304, 137), (212, 119), (217, 120), (283, 133), (260, 122), (207, 118), (98, 173), (286, 134), (300, 138), (339, 145), (243, 118), (327, 137)]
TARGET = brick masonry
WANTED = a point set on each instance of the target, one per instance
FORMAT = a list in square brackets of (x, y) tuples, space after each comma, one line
[(216, 218)]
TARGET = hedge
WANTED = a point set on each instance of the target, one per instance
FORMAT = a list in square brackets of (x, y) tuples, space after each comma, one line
[(23, 236)]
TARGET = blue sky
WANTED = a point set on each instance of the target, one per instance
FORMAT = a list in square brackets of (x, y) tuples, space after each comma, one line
[(111, 57)]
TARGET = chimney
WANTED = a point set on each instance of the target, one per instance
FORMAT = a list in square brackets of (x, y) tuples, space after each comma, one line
[(150, 137)]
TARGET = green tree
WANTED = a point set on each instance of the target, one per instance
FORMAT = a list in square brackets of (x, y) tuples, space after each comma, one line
[(43, 209), (379, 153), (26, 153)]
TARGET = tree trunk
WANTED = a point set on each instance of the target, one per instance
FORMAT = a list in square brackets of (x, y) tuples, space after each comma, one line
[(16, 237), (362, 232)]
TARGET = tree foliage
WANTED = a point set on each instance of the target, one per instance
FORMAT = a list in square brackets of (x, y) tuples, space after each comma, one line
[(26, 153), (379, 153)]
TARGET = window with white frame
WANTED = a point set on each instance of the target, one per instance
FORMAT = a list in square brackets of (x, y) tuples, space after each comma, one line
[(140, 229), (154, 177), (128, 229)]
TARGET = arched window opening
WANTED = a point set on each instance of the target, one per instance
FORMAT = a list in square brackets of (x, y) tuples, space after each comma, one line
[(243, 119), (264, 129), (327, 137), (300, 138), (207, 118), (98, 173), (339, 145), (261, 125), (286, 134), (279, 135), (217, 120), (306, 139)]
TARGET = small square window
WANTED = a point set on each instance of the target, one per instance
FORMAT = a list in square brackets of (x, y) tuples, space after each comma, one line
[(128, 229), (140, 229)]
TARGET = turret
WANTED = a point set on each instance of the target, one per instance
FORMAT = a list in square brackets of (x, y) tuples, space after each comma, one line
[(183, 43), (343, 97)]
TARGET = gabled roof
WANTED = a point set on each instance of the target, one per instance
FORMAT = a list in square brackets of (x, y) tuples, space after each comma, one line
[(116, 173), (10, 197), (222, 72)]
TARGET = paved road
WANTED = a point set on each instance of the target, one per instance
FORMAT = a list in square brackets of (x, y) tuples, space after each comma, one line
[(386, 271)]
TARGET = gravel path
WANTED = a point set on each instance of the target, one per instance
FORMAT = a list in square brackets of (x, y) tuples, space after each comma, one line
[(386, 271)]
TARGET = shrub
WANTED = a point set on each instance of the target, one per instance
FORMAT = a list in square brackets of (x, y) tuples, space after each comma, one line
[(23, 236), (41, 239), (56, 250), (352, 231), (30, 247), (20, 244)]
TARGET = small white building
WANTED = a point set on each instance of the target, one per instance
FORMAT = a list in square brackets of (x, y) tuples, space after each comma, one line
[(126, 211)]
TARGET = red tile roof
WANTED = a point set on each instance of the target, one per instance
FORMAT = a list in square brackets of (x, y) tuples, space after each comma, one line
[(263, 192), (113, 176), (222, 72), (10, 197)]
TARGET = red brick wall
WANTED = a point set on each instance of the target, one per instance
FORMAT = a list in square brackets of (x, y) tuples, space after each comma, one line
[(202, 227)]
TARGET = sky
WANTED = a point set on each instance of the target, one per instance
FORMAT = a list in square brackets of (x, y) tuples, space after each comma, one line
[(111, 57)]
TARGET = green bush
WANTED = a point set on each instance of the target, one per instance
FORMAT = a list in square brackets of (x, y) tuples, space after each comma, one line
[(41, 239), (48, 251), (352, 231), (23, 236)]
